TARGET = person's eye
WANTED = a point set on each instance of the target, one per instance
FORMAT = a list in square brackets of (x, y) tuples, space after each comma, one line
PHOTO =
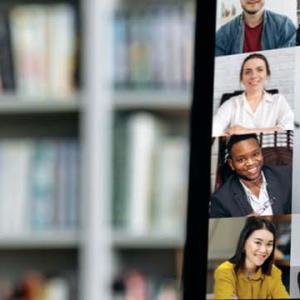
[(248, 72)]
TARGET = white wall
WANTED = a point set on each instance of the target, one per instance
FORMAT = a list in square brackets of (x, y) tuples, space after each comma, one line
[(223, 237)]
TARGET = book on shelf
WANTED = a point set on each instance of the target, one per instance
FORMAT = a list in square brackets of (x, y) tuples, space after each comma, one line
[(56, 289), (120, 67), (139, 75), (35, 285), (134, 153), (29, 45), (71, 201), (38, 185), (38, 49), (7, 72), (150, 176), (43, 185), (135, 284), (142, 143), (14, 185), (61, 55), (154, 46), (170, 181)]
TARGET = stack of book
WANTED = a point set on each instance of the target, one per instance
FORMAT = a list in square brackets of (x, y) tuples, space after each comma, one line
[(37, 50), (38, 185), (150, 175), (154, 47), (33, 285)]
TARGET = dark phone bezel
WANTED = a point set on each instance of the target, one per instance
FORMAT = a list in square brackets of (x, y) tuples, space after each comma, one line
[(195, 249)]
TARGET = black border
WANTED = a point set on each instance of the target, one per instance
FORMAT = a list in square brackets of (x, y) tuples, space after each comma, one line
[(195, 250)]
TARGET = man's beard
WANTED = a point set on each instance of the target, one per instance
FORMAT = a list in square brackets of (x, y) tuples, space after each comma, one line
[(251, 12)]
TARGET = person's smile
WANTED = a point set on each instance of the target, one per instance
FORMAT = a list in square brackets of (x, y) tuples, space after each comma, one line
[(260, 258), (255, 82), (253, 2), (253, 170)]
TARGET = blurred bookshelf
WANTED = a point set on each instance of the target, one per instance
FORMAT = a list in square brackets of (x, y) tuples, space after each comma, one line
[(153, 47), (40, 109), (59, 99)]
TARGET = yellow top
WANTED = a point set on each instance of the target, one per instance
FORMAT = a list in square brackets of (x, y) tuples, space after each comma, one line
[(259, 286)]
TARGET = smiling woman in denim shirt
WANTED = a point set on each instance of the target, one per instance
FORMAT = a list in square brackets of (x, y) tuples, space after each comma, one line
[(254, 30)]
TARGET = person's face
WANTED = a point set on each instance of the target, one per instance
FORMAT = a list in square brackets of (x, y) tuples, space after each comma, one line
[(254, 75), (252, 6), (246, 159), (258, 248)]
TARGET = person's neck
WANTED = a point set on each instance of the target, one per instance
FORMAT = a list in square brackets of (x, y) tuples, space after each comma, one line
[(254, 96), (253, 185), (249, 268), (255, 19), (250, 271)]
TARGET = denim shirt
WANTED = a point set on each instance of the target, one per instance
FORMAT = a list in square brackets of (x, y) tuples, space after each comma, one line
[(278, 32)]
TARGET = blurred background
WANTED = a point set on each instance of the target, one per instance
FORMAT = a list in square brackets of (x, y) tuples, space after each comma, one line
[(94, 106)]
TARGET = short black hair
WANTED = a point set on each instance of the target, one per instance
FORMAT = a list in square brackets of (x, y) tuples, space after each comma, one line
[(236, 138), (252, 224)]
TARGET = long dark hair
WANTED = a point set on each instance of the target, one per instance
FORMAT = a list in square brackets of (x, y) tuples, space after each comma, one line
[(252, 56), (252, 224)]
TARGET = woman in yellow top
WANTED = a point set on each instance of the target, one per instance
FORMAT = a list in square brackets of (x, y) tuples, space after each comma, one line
[(250, 273)]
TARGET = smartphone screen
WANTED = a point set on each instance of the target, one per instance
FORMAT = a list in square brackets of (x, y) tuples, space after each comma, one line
[(244, 210)]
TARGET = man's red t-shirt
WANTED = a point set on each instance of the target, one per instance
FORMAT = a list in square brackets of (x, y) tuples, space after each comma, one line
[(252, 40)]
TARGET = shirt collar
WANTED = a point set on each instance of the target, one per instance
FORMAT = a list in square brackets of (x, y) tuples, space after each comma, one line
[(263, 186), (267, 97), (258, 275)]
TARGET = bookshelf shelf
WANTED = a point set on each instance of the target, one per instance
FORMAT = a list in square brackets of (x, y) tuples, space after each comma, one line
[(127, 241), (53, 240), (152, 99), (21, 105)]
